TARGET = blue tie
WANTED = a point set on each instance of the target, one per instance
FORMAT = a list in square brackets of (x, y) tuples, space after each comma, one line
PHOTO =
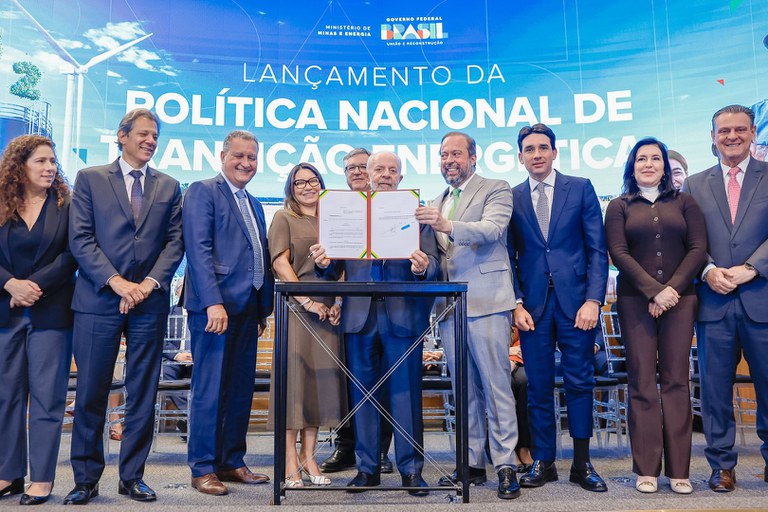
[(137, 196), (258, 267)]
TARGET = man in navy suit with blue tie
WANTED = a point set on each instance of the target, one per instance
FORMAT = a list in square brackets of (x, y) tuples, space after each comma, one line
[(557, 246), (125, 233), (228, 290)]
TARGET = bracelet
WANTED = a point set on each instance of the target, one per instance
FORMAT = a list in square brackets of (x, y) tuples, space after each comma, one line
[(311, 302), (305, 301)]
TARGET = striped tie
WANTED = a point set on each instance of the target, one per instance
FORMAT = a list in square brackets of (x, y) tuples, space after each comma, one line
[(258, 264)]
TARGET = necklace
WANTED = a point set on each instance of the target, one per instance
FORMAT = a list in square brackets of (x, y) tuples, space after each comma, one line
[(35, 200)]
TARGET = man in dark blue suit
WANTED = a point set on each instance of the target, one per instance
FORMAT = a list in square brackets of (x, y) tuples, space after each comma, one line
[(557, 246), (125, 233), (228, 288), (733, 294), (377, 334)]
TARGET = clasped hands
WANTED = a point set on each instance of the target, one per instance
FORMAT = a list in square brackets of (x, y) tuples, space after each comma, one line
[(725, 280), (24, 293), (663, 301), (131, 294)]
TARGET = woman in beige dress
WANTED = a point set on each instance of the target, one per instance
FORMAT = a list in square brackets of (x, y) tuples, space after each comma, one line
[(316, 390)]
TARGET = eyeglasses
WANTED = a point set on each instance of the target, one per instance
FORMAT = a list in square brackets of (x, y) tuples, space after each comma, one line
[(312, 182), (355, 168)]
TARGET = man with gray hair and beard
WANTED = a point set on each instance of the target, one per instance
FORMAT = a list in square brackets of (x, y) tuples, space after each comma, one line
[(470, 219)]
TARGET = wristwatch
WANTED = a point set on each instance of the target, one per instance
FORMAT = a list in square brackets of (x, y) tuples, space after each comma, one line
[(751, 267)]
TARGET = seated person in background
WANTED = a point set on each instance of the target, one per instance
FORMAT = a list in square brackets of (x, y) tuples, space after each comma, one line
[(177, 362), (520, 390), (600, 360)]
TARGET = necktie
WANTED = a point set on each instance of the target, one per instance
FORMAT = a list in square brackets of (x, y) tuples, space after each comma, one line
[(377, 271), (455, 193), (542, 209), (137, 196), (734, 191), (258, 264)]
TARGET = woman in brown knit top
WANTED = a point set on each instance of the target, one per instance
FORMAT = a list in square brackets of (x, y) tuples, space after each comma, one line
[(657, 239)]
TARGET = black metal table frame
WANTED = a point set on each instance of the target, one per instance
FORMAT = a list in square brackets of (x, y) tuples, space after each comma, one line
[(456, 291)]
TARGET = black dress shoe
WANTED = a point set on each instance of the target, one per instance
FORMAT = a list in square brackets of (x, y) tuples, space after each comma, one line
[(415, 480), (338, 461), (540, 473), (523, 468), (15, 487), (477, 476), (508, 486), (363, 480), (82, 494), (386, 464), (587, 478), (723, 480), (136, 489)]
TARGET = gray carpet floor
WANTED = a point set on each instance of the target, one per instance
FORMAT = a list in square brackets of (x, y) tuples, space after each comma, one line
[(168, 474)]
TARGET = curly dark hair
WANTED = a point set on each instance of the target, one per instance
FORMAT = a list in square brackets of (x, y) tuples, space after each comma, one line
[(13, 177)]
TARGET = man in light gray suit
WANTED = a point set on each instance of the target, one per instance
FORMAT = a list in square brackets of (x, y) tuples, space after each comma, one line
[(733, 294), (470, 220)]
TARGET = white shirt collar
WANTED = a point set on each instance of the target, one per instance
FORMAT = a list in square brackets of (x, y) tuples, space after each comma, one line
[(742, 165), (549, 180), (126, 168), (232, 188), (463, 186)]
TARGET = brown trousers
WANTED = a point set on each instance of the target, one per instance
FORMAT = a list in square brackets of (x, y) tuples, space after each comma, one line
[(659, 419)]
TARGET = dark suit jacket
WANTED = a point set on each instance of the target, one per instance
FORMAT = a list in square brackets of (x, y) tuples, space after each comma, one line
[(406, 316), (575, 253), (105, 241), (54, 270), (731, 244), (219, 254)]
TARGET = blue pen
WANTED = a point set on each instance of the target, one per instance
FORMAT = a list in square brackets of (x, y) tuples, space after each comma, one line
[(405, 227)]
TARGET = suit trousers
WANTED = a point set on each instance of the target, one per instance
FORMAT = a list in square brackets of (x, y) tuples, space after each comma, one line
[(520, 390), (660, 420), (720, 345), (554, 327), (371, 353), (34, 369), (491, 403), (222, 392), (96, 342)]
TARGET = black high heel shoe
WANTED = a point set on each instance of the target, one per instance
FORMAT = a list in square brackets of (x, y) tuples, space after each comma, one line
[(16, 487), (26, 499)]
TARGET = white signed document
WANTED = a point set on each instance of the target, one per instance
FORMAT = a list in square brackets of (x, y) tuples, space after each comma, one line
[(360, 225), (394, 228), (342, 217)]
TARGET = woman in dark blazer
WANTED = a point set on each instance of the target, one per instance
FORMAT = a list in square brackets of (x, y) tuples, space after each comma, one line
[(657, 239), (37, 277)]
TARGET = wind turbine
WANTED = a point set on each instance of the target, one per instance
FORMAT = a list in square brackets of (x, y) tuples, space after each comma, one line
[(73, 69)]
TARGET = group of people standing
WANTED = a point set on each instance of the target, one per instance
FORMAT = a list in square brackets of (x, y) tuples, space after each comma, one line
[(534, 257)]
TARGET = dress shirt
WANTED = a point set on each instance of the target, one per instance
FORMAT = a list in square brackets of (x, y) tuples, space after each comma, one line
[(234, 191), (448, 203), (726, 178), (550, 181), (126, 169)]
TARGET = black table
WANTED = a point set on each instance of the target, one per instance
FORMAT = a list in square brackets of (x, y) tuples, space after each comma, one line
[(457, 292)]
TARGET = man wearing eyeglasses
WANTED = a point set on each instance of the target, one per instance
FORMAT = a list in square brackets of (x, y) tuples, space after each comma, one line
[(343, 457), (228, 288)]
